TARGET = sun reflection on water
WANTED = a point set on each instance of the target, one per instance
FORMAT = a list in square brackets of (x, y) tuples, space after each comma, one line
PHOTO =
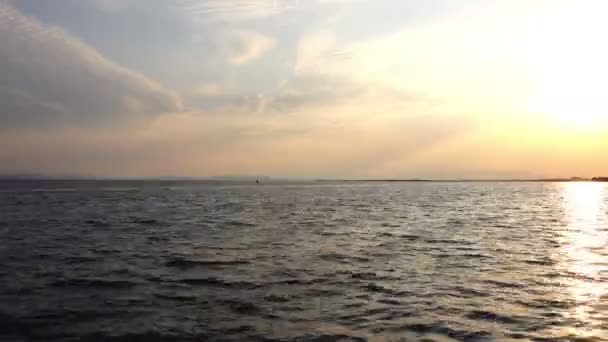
[(586, 250)]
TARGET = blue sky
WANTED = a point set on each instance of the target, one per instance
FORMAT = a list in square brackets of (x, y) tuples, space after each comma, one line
[(305, 88)]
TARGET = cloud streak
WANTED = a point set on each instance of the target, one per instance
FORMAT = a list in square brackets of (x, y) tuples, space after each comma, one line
[(50, 77), (235, 10)]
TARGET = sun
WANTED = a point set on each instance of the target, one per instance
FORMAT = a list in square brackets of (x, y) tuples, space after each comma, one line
[(567, 64), (577, 100), (571, 87)]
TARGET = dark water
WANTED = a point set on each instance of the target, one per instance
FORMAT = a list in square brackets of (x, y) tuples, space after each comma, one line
[(125, 261)]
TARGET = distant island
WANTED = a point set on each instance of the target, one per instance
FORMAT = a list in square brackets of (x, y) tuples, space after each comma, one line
[(599, 179)]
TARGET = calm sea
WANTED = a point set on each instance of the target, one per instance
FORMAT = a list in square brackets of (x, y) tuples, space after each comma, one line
[(191, 261)]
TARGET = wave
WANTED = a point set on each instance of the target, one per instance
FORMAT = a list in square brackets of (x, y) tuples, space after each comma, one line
[(95, 283), (275, 298), (543, 262), (337, 257), (492, 316), (378, 288), (176, 297), (151, 336), (239, 224), (97, 223), (219, 283), (189, 263), (502, 284), (145, 221), (241, 306), (329, 338)]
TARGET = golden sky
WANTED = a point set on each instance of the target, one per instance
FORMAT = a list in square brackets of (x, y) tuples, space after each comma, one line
[(353, 89)]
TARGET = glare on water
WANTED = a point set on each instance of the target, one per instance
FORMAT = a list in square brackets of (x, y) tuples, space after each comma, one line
[(586, 249)]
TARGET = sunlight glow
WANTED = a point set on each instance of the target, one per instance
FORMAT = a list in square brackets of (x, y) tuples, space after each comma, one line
[(586, 246), (568, 65)]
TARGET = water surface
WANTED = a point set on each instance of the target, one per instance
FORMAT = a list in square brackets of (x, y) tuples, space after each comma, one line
[(171, 261)]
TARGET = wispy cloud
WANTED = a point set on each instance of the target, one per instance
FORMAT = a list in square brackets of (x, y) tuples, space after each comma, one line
[(113, 6), (235, 10), (51, 77)]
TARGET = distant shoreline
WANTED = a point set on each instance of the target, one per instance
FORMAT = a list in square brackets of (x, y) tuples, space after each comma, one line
[(550, 180), (287, 180)]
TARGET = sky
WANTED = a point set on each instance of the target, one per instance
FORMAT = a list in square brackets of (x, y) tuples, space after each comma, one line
[(304, 88)]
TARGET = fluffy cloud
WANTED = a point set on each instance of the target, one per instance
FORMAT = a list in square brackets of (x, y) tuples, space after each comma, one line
[(50, 77)]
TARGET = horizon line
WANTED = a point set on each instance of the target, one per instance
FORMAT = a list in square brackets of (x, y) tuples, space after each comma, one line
[(36, 177)]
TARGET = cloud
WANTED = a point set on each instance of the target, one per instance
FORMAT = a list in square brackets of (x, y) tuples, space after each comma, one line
[(315, 90), (473, 58), (235, 10), (242, 47), (112, 6), (50, 77), (314, 46), (196, 143), (304, 92), (208, 90)]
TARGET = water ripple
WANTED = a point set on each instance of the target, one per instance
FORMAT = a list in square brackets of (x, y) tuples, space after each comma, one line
[(154, 261)]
